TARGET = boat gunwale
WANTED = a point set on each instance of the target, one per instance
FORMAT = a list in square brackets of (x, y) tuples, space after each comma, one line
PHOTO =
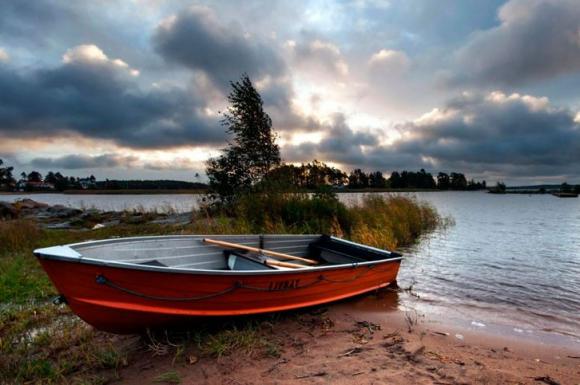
[(41, 253)]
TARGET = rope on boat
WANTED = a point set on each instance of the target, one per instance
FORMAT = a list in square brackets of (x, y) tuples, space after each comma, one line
[(102, 280)]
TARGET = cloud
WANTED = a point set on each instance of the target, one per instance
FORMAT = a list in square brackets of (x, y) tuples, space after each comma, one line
[(536, 40), (318, 57), (508, 134), (389, 62), (4, 57), (90, 53), (77, 161), (277, 94), (196, 39), (97, 97), (495, 131), (340, 144)]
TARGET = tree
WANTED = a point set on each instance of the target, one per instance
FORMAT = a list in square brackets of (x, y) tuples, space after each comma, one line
[(565, 187), (500, 187), (50, 178), (252, 152), (6, 179), (377, 180), (35, 176), (458, 181), (443, 182), (395, 180), (358, 179)]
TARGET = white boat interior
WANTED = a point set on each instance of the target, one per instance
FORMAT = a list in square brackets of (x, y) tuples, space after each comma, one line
[(194, 253)]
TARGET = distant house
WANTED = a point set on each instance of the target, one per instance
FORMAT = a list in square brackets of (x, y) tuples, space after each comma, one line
[(87, 183), (25, 185)]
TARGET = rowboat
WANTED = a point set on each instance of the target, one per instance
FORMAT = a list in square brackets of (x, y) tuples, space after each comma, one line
[(126, 285)]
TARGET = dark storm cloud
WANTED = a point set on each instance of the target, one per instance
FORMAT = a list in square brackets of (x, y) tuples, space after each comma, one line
[(97, 97), (497, 129), (22, 18), (505, 134), (536, 40), (75, 161), (196, 39)]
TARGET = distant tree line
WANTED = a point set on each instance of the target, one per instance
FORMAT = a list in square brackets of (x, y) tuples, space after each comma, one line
[(307, 176), (149, 185), (55, 181), (316, 174)]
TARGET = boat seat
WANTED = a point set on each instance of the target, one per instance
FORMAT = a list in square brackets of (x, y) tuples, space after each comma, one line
[(335, 251), (239, 261)]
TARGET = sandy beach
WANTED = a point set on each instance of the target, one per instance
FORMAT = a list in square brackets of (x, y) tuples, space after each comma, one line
[(336, 345)]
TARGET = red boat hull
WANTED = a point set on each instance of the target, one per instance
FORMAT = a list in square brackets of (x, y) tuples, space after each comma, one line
[(125, 300)]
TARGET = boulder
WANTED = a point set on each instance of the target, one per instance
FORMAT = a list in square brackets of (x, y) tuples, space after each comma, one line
[(29, 204), (60, 211)]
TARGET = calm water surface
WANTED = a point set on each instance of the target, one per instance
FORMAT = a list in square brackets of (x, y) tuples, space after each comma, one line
[(509, 260)]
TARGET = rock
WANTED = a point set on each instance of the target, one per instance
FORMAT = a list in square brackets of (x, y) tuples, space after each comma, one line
[(90, 213), (60, 211), (192, 359), (8, 211), (174, 219), (415, 349), (30, 204), (58, 226), (98, 226)]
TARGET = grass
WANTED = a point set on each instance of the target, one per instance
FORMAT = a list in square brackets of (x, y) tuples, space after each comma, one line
[(386, 222), (392, 222), (44, 343), (171, 377)]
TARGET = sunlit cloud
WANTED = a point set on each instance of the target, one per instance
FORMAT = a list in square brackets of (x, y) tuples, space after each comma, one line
[(4, 57)]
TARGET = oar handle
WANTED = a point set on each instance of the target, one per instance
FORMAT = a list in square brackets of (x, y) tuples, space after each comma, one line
[(257, 250)]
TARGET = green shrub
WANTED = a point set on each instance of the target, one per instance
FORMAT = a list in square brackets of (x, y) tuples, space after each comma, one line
[(382, 221)]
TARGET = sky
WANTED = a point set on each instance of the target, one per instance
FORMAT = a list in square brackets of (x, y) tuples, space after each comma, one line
[(134, 89)]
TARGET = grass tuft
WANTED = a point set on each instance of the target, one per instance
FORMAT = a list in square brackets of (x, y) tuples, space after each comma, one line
[(171, 377)]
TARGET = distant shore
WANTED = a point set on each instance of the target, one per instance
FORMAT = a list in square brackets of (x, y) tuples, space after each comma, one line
[(203, 191), (112, 192)]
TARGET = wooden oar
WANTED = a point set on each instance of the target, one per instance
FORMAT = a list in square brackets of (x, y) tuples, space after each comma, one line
[(257, 250), (273, 262)]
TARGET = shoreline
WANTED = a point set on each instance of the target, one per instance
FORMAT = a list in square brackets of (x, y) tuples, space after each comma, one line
[(335, 345), (202, 192)]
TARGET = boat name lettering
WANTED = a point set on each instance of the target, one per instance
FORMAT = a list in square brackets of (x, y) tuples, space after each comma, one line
[(282, 285)]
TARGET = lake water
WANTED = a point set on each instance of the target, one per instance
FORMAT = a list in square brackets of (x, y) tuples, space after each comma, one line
[(510, 261), (509, 265)]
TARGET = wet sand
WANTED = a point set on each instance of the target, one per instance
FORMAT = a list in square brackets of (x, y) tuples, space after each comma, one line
[(347, 344)]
